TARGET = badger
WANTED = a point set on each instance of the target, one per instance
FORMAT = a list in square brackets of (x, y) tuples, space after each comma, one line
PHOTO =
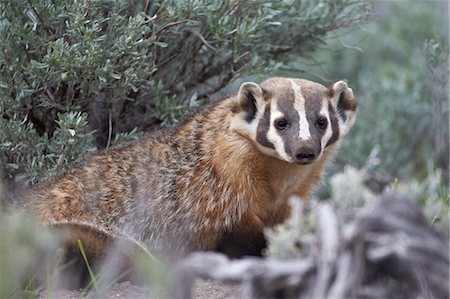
[(225, 173)]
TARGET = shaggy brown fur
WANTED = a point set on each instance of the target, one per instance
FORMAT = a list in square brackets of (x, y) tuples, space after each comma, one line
[(185, 188)]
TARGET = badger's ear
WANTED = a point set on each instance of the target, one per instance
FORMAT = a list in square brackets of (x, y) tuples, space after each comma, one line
[(251, 99), (345, 104)]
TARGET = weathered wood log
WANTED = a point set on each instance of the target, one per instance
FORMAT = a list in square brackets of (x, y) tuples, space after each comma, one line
[(388, 251)]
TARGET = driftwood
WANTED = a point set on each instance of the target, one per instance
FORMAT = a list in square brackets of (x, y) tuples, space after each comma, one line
[(388, 251)]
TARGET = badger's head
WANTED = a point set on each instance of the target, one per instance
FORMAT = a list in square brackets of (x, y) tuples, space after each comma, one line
[(294, 120)]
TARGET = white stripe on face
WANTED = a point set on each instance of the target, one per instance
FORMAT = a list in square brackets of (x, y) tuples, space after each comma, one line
[(272, 134), (300, 107), (329, 131)]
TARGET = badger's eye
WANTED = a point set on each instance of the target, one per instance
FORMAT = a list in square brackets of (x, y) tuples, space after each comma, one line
[(322, 123), (281, 124)]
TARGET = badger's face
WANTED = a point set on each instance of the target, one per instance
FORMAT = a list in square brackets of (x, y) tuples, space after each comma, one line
[(292, 119)]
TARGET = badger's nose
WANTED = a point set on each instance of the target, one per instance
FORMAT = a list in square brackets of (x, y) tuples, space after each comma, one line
[(305, 155)]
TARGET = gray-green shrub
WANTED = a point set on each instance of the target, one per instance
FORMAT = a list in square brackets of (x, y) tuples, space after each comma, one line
[(128, 64)]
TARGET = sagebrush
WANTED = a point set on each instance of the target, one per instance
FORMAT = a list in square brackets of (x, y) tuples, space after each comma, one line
[(138, 64)]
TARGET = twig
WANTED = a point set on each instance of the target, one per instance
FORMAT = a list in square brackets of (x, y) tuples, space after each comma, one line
[(47, 29), (172, 24), (349, 47), (146, 6), (108, 143), (204, 41), (391, 232), (161, 7), (329, 237)]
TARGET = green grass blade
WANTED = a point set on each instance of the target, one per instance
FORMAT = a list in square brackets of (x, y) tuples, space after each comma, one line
[(91, 273), (395, 185)]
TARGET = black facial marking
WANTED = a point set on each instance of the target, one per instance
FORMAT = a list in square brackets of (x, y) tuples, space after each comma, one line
[(346, 102), (334, 125), (286, 107), (250, 107), (341, 107), (290, 135), (313, 105), (263, 129)]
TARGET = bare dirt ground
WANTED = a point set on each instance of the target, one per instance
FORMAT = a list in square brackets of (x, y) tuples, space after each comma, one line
[(125, 290), (214, 289)]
